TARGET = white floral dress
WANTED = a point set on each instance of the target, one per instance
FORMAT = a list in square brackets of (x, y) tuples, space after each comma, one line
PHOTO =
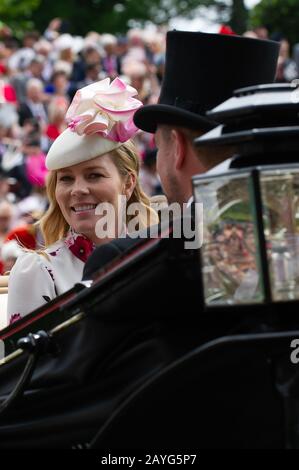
[(36, 278)]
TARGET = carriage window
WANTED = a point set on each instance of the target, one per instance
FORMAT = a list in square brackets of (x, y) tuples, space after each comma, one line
[(280, 195), (229, 255)]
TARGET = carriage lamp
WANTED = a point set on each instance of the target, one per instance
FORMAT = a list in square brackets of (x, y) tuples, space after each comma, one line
[(250, 249)]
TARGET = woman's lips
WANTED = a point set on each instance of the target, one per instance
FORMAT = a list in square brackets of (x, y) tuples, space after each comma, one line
[(83, 208)]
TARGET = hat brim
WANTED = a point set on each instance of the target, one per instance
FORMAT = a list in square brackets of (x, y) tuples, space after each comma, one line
[(70, 149), (149, 117)]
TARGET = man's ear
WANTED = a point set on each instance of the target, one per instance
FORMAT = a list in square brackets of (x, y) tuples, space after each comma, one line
[(180, 150)]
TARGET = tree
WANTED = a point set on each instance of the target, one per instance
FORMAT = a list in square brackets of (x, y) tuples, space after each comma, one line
[(278, 16), (115, 16), (239, 16), (112, 15), (18, 14)]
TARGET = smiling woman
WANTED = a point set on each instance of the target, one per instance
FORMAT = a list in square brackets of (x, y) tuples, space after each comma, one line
[(92, 163), (80, 188)]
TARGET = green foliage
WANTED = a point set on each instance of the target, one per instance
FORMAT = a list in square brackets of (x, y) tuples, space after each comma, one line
[(278, 16), (17, 14), (10, 9), (112, 15), (239, 16), (115, 16)]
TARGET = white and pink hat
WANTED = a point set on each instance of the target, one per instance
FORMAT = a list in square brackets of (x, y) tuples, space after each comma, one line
[(100, 119)]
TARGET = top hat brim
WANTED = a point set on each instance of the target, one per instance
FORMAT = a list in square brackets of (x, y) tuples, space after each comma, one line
[(149, 117)]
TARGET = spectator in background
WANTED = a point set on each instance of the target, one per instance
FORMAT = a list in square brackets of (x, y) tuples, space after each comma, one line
[(296, 55), (8, 124), (13, 159), (11, 45), (149, 178), (33, 105), (250, 34), (136, 46), (22, 58), (89, 55), (261, 32), (26, 232), (59, 85), (7, 92), (62, 65), (10, 251), (31, 207), (110, 63), (93, 73), (144, 81), (64, 54), (35, 166), (122, 50), (20, 80), (6, 219), (53, 30), (30, 125), (10, 154), (3, 59), (4, 185), (43, 48), (286, 67), (93, 39), (56, 112), (156, 46), (226, 29), (5, 31)]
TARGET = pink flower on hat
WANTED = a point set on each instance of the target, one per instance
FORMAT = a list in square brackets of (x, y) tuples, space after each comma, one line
[(104, 108)]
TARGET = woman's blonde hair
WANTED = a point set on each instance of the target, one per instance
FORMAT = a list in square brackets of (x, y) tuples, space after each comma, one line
[(54, 226)]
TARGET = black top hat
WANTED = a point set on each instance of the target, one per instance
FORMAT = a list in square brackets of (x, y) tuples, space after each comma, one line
[(202, 70)]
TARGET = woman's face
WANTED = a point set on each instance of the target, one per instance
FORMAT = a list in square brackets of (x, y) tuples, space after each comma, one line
[(80, 188)]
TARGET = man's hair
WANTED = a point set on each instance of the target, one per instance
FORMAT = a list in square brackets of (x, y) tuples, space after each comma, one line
[(208, 156)]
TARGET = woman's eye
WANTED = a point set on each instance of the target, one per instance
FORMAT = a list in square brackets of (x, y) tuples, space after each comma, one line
[(65, 179), (94, 176)]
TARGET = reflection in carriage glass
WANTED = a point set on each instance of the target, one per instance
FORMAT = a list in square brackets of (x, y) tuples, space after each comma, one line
[(248, 214), (280, 194), (230, 259)]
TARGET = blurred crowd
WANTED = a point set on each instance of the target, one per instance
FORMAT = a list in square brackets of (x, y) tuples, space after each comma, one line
[(288, 63), (39, 76)]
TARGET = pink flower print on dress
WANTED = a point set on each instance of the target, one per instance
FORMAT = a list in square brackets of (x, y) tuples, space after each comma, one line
[(82, 248), (14, 317)]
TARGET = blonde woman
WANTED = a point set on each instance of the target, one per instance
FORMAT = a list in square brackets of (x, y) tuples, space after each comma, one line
[(94, 168)]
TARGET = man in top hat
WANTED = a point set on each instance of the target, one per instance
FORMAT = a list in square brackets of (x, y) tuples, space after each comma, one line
[(202, 70)]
